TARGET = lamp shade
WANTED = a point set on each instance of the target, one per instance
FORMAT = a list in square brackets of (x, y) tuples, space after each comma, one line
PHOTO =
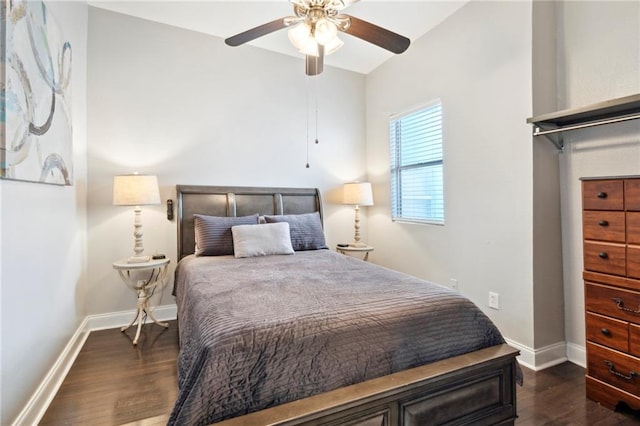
[(358, 193), (135, 190)]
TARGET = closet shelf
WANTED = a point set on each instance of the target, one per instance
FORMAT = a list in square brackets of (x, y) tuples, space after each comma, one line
[(552, 125)]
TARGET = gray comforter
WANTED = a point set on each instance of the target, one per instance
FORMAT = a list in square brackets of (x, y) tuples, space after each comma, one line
[(262, 331)]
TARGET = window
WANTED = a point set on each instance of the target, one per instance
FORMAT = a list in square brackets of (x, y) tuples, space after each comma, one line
[(415, 140)]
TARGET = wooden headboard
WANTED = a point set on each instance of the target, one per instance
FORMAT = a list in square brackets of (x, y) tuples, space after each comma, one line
[(237, 201)]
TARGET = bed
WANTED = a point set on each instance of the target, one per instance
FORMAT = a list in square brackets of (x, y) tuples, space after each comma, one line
[(304, 335)]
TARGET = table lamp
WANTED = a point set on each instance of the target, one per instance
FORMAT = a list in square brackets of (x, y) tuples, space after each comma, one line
[(359, 194), (136, 190)]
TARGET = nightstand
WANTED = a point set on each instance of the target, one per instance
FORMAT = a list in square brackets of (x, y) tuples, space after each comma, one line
[(141, 278), (355, 250)]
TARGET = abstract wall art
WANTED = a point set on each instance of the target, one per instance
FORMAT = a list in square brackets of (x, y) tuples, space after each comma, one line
[(35, 95)]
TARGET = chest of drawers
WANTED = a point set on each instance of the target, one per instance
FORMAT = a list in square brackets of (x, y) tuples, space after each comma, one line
[(611, 232)]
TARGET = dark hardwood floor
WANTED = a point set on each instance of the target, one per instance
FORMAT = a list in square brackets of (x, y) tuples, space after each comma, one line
[(556, 396), (113, 382)]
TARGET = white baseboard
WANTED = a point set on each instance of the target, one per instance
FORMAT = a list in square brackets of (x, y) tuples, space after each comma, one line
[(122, 318), (44, 394), (539, 359), (42, 397), (577, 354)]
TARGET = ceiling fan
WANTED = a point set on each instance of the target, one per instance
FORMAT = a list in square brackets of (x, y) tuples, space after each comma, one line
[(314, 31)]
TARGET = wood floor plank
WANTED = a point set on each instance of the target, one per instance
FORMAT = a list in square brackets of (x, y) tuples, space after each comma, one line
[(113, 382)]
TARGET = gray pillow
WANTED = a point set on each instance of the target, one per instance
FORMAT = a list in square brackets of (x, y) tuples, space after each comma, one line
[(262, 240), (305, 229), (213, 233)]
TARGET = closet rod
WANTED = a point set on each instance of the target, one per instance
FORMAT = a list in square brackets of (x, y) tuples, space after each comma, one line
[(538, 132)]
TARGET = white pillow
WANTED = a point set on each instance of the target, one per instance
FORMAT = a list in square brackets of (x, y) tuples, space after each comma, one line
[(261, 240)]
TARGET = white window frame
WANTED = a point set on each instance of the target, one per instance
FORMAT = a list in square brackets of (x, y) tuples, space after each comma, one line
[(396, 169)]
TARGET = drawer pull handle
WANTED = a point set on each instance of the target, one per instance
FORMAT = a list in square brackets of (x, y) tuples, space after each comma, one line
[(620, 305), (602, 195), (613, 371), (606, 332), (603, 255), (603, 223)]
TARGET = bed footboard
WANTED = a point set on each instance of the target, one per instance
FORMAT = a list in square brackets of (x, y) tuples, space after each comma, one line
[(476, 388)]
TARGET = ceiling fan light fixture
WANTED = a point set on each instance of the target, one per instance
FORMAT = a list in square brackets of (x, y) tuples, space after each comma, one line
[(325, 31), (300, 35), (311, 48), (333, 45)]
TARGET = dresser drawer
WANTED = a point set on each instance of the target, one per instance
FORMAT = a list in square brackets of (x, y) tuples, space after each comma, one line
[(613, 302), (633, 261), (613, 367), (609, 258), (634, 339), (632, 220), (632, 194), (604, 225), (602, 195), (607, 331)]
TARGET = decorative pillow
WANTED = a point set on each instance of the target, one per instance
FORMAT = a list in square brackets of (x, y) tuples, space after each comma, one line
[(306, 230), (213, 233), (261, 240)]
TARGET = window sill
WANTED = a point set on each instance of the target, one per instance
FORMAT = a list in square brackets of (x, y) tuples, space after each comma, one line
[(418, 221)]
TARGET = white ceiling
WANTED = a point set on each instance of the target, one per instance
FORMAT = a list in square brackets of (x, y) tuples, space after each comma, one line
[(223, 19)]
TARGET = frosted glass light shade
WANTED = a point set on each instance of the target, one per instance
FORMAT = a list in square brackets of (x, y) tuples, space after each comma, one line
[(301, 37), (311, 48), (358, 193), (325, 31), (333, 45), (135, 190)]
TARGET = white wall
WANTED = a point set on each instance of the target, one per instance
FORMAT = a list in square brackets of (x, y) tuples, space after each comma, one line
[(478, 62), (599, 58), (548, 286), (43, 248), (188, 108)]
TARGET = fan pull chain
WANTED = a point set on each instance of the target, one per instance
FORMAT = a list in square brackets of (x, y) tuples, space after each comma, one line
[(316, 87), (307, 115), (316, 113)]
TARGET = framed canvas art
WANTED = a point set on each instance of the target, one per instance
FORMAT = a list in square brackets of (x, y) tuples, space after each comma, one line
[(35, 95)]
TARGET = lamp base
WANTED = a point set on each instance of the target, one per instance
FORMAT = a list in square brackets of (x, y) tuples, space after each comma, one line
[(357, 244), (138, 259)]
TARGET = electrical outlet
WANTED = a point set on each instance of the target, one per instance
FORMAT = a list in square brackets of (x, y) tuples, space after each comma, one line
[(494, 300), (453, 283)]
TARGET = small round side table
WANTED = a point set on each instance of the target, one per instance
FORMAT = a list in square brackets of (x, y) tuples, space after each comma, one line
[(129, 272), (347, 250)]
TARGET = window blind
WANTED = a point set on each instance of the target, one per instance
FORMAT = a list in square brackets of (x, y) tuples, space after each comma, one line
[(415, 140)]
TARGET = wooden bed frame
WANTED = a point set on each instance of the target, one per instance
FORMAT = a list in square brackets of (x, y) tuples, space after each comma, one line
[(475, 388)]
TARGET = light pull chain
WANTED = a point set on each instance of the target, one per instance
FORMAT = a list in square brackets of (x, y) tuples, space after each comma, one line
[(316, 114), (307, 115), (316, 87)]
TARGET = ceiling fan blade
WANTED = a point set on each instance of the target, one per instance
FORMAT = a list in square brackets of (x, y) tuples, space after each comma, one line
[(254, 33), (377, 35), (315, 64)]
